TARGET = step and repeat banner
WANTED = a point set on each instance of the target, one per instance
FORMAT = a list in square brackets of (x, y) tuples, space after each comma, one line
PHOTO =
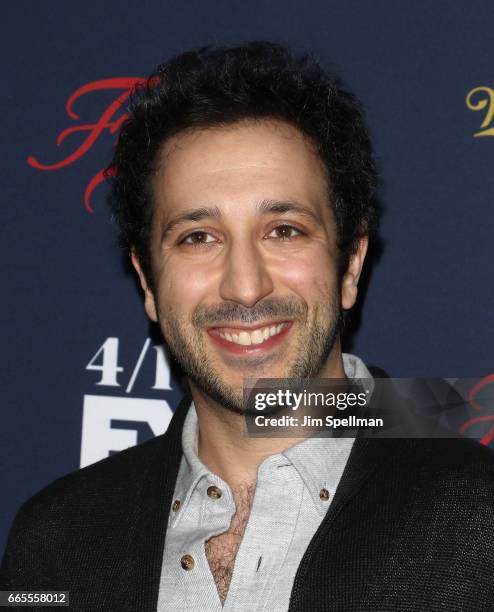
[(84, 374)]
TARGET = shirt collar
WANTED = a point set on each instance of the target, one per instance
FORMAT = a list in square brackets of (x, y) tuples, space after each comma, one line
[(192, 469), (319, 461), (355, 368)]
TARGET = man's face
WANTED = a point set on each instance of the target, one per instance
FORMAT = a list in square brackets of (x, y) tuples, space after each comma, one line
[(244, 257)]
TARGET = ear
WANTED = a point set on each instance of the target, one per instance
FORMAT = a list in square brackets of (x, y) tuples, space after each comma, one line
[(149, 301), (349, 283)]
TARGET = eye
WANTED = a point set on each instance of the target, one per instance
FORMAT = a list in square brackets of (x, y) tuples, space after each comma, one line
[(285, 232), (198, 239)]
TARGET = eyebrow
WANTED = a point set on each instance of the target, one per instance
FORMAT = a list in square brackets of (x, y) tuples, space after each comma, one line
[(280, 207), (265, 207), (195, 214)]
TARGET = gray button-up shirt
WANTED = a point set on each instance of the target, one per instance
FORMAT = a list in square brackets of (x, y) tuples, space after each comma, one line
[(287, 509)]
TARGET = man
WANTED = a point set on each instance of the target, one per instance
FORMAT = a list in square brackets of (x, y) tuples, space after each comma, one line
[(243, 188)]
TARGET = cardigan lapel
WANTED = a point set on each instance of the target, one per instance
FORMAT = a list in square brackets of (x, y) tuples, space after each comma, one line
[(366, 457), (146, 543)]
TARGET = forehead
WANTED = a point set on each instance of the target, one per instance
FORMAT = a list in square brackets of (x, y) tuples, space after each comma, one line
[(236, 166)]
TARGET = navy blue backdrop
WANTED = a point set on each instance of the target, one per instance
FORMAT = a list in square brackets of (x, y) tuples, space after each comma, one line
[(83, 373)]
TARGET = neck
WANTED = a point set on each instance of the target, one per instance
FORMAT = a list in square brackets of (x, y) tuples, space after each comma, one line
[(223, 444)]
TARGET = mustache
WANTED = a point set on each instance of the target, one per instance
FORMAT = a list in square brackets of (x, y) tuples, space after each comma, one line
[(232, 312)]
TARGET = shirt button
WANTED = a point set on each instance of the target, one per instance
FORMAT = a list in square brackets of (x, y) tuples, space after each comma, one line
[(324, 494), (213, 492), (187, 562), (176, 505)]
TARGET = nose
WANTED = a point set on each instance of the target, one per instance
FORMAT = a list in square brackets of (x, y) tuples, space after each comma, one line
[(246, 278)]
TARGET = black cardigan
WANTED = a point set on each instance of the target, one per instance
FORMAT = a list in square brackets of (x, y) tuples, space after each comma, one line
[(411, 527)]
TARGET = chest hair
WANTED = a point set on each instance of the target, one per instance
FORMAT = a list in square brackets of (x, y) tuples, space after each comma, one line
[(222, 549)]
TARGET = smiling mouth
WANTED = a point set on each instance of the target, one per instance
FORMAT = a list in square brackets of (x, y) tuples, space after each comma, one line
[(257, 338)]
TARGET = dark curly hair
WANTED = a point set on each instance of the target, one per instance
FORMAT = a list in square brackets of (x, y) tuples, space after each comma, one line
[(218, 86)]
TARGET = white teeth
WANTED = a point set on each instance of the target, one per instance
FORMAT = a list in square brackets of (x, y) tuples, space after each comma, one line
[(244, 338), (258, 336)]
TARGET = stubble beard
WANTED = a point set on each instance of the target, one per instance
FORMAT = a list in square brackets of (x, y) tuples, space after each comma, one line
[(314, 343)]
